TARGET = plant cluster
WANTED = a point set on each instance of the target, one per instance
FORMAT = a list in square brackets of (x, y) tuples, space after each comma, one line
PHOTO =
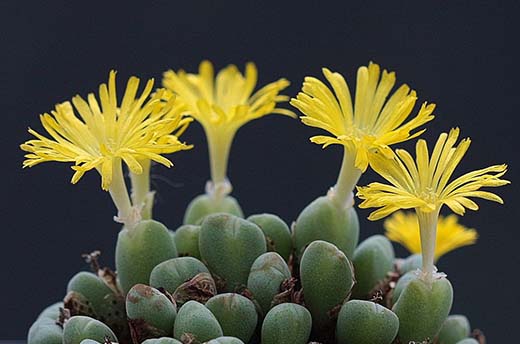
[(223, 278)]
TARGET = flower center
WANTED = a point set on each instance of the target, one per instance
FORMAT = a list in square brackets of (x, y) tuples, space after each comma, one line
[(428, 194)]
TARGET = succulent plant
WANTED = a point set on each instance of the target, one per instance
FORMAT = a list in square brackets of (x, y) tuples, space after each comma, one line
[(287, 323), (171, 273), (411, 263), (277, 233), (187, 241), (204, 205), (366, 322), (327, 278), (235, 313), (46, 330), (196, 321), (162, 340), (139, 250), (90, 295), (373, 260), (223, 279), (90, 341), (455, 328), (267, 274), (336, 225), (225, 340), (229, 245), (423, 308), (79, 327), (468, 341), (401, 284), (150, 313)]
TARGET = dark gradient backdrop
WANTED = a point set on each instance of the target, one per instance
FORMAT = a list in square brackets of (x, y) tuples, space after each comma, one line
[(457, 54)]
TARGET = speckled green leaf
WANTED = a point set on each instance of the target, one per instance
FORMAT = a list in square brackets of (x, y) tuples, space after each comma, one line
[(204, 205), (139, 250), (277, 233), (235, 313), (324, 220), (195, 319), (365, 322), (229, 245)]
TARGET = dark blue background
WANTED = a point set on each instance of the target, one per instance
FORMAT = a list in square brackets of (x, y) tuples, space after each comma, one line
[(457, 54)]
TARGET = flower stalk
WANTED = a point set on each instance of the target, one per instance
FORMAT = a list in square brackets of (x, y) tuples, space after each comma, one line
[(142, 196), (219, 147), (424, 184), (428, 232), (222, 103), (103, 134), (127, 214), (349, 174)]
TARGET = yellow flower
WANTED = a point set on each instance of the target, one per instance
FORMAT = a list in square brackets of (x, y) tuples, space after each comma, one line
[(103, 135), (424, 185), (403, 227), (224, 103), (373, 121)]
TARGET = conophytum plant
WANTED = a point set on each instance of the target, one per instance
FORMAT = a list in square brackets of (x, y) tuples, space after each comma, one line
[(222, 278)]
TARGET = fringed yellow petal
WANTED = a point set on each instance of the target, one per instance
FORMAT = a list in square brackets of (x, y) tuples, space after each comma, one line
[(426, 179), (223, 103), (325, 140), (403, 228), (141, 127), (106, 173), (228, 99), (376, 120)]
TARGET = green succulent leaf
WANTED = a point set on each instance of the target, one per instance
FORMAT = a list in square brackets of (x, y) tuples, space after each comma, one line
[(324, 220), (204, 205)]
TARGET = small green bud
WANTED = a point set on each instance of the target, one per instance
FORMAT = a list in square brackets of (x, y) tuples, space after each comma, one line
[(366, 322), (373, 259), (287, 323), (92, 287), (327, 279), (422, 308), (324, 220), (52, 312), (277, 233), (172, 273), (235, 313), (454, 329), (229, 245), (79, 327), (150, 313), (402, 283), (267, 274), (195, 319), (468, 341), (163, 340), (139, 250), (225, 340), (89, 295), (45, 330), (411, 263), (204, 205), (187, 241)]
